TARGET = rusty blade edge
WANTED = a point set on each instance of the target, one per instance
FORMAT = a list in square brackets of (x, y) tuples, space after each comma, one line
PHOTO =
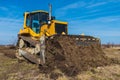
[(29, 56)]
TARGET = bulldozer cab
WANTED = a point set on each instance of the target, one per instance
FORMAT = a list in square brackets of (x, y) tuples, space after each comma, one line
[(38, 23), (36, 20)]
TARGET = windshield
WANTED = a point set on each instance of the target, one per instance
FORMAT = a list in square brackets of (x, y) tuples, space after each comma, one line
[(43, 17), (36, 20)]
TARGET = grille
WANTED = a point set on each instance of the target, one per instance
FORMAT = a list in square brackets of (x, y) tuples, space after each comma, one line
[(59, 28)]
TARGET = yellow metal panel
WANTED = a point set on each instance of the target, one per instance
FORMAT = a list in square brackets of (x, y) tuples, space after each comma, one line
[(29, 31), (25, 16), (43, 29), (61, 22), (39, 11), (32, 33), (36, 11), (24, 31), (52, 29)]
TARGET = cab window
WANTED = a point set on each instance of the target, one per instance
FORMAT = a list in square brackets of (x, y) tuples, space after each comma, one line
[(33, 22)]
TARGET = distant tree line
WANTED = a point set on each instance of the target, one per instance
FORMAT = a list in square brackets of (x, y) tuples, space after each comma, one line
[(108, 45)]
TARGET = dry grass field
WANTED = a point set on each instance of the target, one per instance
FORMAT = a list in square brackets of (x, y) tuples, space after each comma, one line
[(12, 69)]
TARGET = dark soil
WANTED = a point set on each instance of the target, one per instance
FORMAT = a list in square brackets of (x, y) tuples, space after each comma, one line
[(70, 58), (8, 51)]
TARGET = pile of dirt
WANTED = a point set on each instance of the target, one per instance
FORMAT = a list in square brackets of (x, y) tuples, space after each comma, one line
[(70, 58)]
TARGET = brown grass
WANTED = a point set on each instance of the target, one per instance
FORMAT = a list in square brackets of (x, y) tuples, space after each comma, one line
[(10, 69)]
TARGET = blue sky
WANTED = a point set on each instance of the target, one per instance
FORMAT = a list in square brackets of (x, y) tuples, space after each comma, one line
[(99, 18)]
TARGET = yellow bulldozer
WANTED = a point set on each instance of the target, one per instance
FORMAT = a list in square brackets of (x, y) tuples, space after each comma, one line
[(40, 26)]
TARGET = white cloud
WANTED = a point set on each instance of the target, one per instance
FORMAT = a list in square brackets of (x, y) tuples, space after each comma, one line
[(102, 26), (93, 11), (113, 1), (79, 5), (74, 5), (8, 19), (11, 21), (3, 8), (96, 4), (107, 19), (9, 28), (11, 11), (63, 10)]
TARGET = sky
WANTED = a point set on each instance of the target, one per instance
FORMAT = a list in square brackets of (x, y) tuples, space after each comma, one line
[(99, 18)]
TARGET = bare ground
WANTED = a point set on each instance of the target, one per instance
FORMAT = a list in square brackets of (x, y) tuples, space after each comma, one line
[(12, 69)]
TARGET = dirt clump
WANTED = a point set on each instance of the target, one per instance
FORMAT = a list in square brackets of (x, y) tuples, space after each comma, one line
[(70, 58)]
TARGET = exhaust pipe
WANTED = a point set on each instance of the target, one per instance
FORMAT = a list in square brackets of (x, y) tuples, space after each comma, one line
[(50, 11), (50, 14)]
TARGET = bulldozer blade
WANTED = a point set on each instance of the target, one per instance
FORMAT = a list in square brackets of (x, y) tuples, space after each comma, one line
[(29, 56), (42, 51)]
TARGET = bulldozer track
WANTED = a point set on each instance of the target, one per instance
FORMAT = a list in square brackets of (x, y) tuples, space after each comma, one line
[(29, 40)]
